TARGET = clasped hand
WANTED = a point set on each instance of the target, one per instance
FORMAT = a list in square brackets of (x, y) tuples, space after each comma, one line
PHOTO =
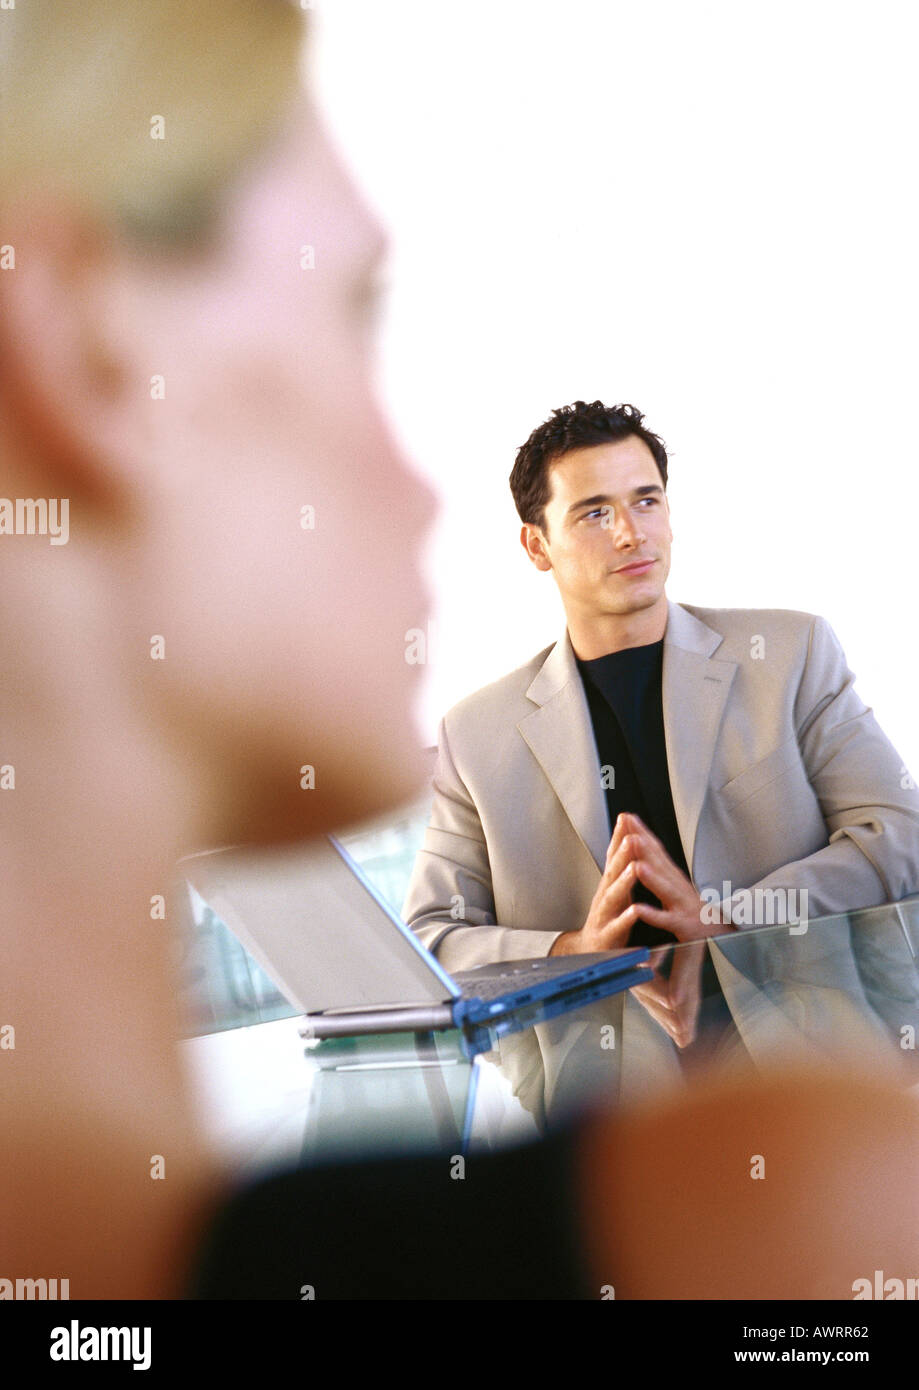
[(636, 855)]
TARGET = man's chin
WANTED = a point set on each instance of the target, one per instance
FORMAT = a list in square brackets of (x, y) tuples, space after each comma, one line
[(619, 606)]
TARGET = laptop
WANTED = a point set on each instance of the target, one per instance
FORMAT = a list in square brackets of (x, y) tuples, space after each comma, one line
[(316, 925)]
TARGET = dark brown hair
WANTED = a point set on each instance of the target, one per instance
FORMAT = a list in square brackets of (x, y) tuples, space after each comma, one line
[(572, 427)]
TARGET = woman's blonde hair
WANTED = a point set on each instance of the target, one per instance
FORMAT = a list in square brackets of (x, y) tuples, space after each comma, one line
[(142, 109)]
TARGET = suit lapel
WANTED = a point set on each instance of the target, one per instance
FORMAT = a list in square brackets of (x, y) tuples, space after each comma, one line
[(560, 735), (695, 688)]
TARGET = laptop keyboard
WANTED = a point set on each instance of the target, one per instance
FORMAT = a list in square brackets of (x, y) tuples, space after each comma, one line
[(491, 981)]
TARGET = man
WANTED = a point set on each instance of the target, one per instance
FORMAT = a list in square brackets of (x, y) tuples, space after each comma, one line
[(725, 750)]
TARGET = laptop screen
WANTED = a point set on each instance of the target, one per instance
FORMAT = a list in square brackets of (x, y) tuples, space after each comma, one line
[(316, 926)]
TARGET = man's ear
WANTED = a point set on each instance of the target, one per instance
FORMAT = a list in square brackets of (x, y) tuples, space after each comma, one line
[(534, 543), (63, 379)]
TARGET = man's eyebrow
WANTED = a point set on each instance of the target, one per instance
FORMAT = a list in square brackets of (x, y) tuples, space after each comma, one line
[(603, 499)]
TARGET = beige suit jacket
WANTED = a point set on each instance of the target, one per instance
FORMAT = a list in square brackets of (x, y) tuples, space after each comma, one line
[(780, 775)]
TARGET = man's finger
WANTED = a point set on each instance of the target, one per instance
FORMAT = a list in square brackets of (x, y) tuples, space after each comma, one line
[(675, 1027), (664, 880), (615, 934), (656, 993), (686, 973), (620, 886), (620, 830), (638, 827), (654, 916)]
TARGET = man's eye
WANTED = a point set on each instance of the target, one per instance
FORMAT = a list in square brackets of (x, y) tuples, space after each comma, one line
[(651, 501)]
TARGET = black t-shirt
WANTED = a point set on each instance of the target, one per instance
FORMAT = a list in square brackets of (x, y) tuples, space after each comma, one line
[(624, 697), (405, 1228)]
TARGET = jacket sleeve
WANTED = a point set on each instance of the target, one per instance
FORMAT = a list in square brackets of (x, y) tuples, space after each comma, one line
[(869, 801), (450, 901)]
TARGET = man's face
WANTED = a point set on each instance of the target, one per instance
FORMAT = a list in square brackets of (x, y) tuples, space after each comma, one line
[(606, 536), (280, 552)]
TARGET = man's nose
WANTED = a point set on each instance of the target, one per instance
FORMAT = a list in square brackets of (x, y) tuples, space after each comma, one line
[(625, 531)]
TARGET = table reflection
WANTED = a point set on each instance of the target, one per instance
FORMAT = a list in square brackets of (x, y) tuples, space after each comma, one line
[(844, 993)]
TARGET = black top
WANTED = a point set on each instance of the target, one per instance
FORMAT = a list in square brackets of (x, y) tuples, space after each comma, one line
[(623, 692), (403, 1228), (624, 697)]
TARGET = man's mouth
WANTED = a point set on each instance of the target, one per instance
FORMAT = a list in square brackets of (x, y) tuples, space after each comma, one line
[(634, 567)]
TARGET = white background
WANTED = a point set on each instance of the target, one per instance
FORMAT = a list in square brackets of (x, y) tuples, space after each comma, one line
[(707, 209)]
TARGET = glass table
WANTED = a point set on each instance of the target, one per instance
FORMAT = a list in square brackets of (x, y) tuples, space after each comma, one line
[(842, 994)]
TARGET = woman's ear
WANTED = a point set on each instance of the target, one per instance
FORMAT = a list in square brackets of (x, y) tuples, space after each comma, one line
[(65, 377)]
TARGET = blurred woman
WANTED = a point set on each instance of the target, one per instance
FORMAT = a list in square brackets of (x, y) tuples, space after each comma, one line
[(186, 329)]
